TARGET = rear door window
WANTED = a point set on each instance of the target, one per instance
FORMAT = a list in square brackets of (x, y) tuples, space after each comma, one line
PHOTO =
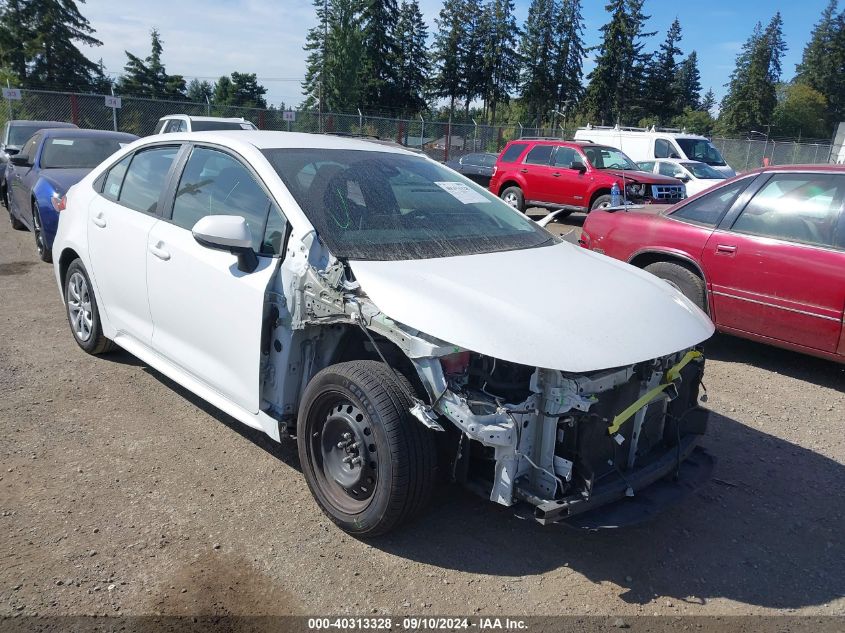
[(145, 178), (540, 155), (565, 156), (513, 152), (802, 208)]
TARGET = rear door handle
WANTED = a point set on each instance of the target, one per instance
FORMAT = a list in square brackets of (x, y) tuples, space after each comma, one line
[(556, 174), (99, 220), (159, 252), (726, 249), (523, 171)]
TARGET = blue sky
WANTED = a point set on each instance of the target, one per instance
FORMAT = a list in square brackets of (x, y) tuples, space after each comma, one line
[(208, 38)]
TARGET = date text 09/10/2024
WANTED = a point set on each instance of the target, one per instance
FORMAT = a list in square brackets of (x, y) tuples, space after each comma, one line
[(417, 623)]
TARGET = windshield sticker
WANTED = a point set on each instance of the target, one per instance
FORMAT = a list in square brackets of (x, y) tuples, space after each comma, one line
[(246, 126), (61, 141), (461, 192)]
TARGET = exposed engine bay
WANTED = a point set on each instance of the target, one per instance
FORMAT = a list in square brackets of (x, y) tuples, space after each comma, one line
[(562, 442)]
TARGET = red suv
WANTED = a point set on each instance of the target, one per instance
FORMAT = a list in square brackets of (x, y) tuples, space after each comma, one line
[(575, 177), (763, 254)]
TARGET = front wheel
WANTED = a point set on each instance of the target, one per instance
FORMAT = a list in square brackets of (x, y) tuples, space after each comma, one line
[(513, 197), (82, 312), (40, 241), (369, 464), (683, 279)]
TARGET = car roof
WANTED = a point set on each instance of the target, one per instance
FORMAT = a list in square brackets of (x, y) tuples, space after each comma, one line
[(266, 139), (826, 167), (45, 124), (205, 118), (81, 133)]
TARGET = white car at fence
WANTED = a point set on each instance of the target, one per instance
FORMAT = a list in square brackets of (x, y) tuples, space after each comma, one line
[(379, 307), (695, 175)]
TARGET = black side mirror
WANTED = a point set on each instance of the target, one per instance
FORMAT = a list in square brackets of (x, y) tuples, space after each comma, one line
[(20, 161), (11, 151), (578, 166)]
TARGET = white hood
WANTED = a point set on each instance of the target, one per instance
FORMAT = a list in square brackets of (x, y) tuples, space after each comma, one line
[(558, 307)]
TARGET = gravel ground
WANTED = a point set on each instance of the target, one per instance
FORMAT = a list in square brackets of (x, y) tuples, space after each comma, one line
[(121, 493)]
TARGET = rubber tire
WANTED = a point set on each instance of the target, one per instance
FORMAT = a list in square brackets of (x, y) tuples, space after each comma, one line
[(600, 201), (16, 224), (405, 448), (520, 204), (97, 343), (688, 282), (47, 255)]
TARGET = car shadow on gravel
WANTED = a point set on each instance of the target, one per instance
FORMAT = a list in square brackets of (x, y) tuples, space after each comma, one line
[(821, 372), (765, 531)]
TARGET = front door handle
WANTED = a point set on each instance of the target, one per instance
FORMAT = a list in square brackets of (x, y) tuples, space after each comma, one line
[(159, 252), (726, 249), (99, 220), (523, 171), (556, 174)]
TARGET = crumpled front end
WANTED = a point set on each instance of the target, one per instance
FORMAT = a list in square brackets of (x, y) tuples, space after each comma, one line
[(568, 443)]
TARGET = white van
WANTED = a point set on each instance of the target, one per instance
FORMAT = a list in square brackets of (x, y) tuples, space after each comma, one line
[(653, 143)]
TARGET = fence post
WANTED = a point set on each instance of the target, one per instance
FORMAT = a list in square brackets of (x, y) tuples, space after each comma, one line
[(74, 110), (748, 153), (499, 139), (448, 138), (422, 134), (262, 119), (520, 129), (400, 133)]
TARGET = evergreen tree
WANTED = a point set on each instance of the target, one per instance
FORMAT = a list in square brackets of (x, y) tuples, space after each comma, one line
[(569, 54), (199, 90), (315, 47), (241, 89), (333, 79), (15, 32), (615, 85), (687, 84), (661, 86), (751, 97), (708, 103), (147, 77), (478, 26), (447, 52), (379, 54), (537, 49), (822, 65), (501, 62), (55, 61), (411, 39)]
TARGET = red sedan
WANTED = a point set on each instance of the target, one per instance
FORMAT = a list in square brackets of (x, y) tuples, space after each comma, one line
[(762, 253)]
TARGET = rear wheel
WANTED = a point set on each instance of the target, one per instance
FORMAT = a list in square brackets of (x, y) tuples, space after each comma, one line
[(368, 463), (602, 202), (16, 224), (513, 197), (82, 312), (685, 280), (40, 241)]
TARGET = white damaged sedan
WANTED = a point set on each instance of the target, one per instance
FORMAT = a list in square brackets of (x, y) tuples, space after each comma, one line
[(405, 325)]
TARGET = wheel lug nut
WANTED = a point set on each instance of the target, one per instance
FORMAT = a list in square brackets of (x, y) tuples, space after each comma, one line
[(347, 460), (357, 461)]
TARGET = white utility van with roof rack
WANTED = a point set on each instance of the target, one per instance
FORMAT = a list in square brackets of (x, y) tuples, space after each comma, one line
[(651, 143)]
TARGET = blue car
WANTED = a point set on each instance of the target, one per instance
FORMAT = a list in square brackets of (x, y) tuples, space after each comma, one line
[(49, 163)]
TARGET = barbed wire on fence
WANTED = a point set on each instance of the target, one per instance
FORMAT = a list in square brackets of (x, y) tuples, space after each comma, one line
[(438, 139)]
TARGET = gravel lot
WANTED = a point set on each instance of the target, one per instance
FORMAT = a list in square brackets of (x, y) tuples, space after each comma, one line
[(120, 492)]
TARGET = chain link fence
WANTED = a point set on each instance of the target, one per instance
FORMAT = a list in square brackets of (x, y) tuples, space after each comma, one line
[(438, 139)]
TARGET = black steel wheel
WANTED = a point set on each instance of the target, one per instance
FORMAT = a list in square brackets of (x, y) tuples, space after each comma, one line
[(368, 463)]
